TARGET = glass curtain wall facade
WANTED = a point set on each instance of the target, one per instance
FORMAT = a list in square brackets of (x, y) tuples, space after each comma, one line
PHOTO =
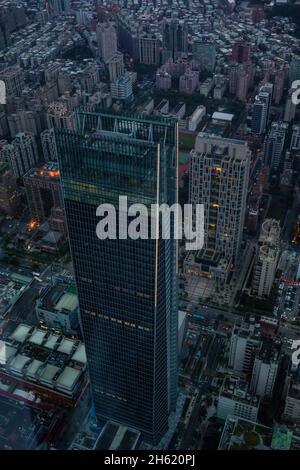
[(127, 288)]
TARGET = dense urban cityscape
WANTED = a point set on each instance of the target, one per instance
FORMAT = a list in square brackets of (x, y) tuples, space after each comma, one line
[(144, 344)]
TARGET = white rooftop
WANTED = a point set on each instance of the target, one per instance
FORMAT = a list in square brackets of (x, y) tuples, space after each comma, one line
[(37, 337), (80, 355), (21, 332), (6, 352), (66, 346), (32, 369), (22, 393), (49, 372), (222, 116), (68, 301), (68, 377), (51, 341), (19, 362)]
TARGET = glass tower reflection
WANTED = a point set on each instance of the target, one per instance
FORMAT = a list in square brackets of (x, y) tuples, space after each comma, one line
[(127, 288)]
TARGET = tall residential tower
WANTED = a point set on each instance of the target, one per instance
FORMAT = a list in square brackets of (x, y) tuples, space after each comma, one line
[(219, 176)]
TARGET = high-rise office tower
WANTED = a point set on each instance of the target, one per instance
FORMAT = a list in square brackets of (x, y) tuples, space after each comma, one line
[(219, 176), (261, 109), (241, 52), (174, 33), (127, 288), (274, 144), (259, 114), (267, 88), (205, 53), (107, 40)]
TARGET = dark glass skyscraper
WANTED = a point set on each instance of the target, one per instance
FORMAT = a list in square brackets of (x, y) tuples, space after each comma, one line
[(175, 43), (127, 288)]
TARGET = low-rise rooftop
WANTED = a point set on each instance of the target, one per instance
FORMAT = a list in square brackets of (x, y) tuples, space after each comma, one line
[(41, 357), (117, 437)]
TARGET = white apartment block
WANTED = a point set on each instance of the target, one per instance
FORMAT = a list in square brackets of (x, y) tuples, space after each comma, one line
[(121, 89), (235, 400), (196, 118)]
